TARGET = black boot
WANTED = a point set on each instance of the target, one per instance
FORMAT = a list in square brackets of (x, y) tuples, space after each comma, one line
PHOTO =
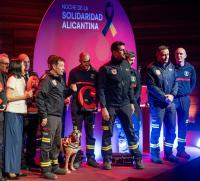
[(139, 164), (155, 156), (92, 162)]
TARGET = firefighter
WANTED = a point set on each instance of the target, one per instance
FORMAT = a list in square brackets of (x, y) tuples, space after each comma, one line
[(162, 87), (117, 99), (186, 78), (52, 91), (136, 85), (83, 80), (136, 118)]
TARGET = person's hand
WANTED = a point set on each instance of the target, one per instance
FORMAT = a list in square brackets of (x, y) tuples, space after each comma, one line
[(133, 108), (169, 98), (73, 87), (44, 122), (29, 94), (105, 114), (67, 100)]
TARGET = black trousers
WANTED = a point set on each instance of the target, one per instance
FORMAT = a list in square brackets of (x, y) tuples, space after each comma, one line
[(78, 117), (125, 115), (31, 122), (50, 144)]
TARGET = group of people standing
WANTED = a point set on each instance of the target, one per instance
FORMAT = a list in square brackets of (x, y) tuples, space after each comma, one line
[(169, 87), (115, 86)]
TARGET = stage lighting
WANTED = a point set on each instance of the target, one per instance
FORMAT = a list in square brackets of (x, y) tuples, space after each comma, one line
[(198, 143)]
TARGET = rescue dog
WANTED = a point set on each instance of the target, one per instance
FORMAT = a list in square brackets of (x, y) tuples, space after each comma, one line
[(70, 147)]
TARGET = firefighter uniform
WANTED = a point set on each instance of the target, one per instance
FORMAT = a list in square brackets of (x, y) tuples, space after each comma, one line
[(136, 85), (84, 104), (161, 80), (136, 118), (186, 78), (116, 95), (50, 102)]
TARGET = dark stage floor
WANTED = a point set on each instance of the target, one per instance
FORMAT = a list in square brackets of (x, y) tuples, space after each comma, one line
[(185, 170)]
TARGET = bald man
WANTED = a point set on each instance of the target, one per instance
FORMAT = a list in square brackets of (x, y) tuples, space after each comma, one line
[(83, 81), (186, 77)]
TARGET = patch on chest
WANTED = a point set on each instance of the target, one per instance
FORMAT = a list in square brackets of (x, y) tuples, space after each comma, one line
[(133, 79), (114, 71), (157, 72), (186, 73), (92, 76), (54, 82)]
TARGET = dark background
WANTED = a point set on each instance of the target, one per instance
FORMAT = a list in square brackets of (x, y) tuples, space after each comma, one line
[(172, 22)]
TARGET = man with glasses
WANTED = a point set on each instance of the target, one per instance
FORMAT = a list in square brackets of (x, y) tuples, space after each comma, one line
[(4, 65), (117, 99), (83, 81)]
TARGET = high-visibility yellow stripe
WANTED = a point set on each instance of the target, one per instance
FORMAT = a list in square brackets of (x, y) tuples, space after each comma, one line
[(45, 164), (105, 127), (90, 146), (133, 147), (54, 162), (106, 148), (46, 140)]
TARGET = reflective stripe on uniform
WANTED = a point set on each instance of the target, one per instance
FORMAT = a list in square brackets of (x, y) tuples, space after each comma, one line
[(54, 162), (154, 145), (46, 140), (181, 140), (105, 127), (133, 147), (106, 148), (168, 144), (155, 125), (45, 164), (90, 147)]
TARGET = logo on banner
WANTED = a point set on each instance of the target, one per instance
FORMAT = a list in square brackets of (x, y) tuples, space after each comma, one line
[(109, 19)]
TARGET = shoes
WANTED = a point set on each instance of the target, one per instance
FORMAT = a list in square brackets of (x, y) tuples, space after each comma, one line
[(171, 158), (59, 171), (183, 155), (21, 175), (93, 163), (49, 176), (107, 166), (156, 159), (77, 165), (3, 179), (139, 164), (12, 176)]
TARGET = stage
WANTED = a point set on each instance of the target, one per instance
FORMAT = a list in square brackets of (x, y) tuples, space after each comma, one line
[(185, 170)]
